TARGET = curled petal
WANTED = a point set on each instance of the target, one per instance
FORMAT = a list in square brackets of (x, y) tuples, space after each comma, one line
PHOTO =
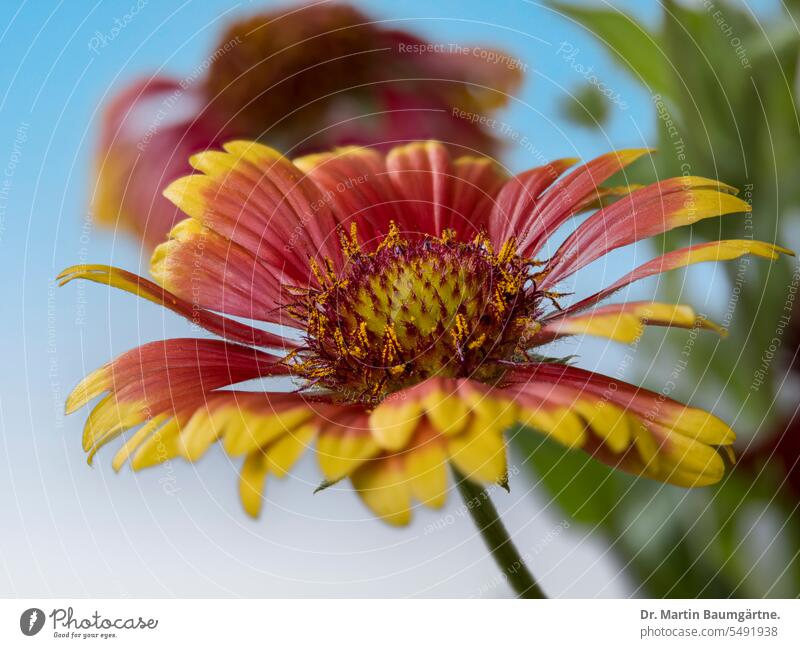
[(165, 376), (129, 282), (649, 406), (670, 458)]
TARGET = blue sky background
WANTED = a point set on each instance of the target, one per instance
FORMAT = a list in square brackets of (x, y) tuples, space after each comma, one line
[(69, 530)]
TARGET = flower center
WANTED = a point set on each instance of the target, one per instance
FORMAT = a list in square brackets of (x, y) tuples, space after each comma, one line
[(413, 309)]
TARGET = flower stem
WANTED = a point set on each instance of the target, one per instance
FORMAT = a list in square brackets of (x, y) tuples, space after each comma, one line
[(494, 534)]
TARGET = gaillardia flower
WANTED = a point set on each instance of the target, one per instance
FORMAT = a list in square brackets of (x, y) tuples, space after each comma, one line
[(412, 304), (305, 79)]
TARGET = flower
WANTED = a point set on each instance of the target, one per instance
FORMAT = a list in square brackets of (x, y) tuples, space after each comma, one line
[(304, 78), (413, 283)]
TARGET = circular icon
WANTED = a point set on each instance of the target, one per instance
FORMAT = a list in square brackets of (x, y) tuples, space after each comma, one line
[(31, 621)]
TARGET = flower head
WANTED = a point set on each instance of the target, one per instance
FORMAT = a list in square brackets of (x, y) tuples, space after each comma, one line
[(304, 78), (420, 308)]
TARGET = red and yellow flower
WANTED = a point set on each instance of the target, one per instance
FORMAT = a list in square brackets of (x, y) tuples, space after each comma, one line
[(412, 301), (303, 78)]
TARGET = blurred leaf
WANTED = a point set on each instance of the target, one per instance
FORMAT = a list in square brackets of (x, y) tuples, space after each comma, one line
[(625, 38), (586, 490), (728, 111), (678, 573), (588, 107)]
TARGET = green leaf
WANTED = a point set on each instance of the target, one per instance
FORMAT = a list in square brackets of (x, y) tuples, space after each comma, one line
[(626, 39)]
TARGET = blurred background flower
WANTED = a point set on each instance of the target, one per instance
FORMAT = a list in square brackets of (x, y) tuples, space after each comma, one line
[(302, 78)]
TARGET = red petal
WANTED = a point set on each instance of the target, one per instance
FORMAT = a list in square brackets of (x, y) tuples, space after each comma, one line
[(568, 196), (476, 185), (713, 251), (164, 371), (200, 266), (644, 213), (518, 198), (257, 198), (355, 184), (422, 175), (222, 326)]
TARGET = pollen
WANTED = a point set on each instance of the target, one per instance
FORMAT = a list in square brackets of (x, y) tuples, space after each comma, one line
[(411, 309)]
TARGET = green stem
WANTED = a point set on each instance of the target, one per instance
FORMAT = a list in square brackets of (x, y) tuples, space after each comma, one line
[(494, 534)]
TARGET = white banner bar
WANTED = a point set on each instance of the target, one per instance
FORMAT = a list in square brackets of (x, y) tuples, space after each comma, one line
[(399, 623)]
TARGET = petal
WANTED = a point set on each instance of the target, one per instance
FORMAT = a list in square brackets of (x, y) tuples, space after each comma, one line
[(222, 326), (452, 406), (162, 445), (252, 479), (256, 419), (157, 370), (518, 198), (261, 201), (644, 213), (611, 423), (476, 183), (558, 423), (164, 376), (480, 455), (445, 408), (488, 411), (394, 421), (200, 266), (714, 251), (623, 426), (140, 436), (422, 175), (384, 487), (568, 196), (647, 406), (345, 443), (280, 425), (622, 322), (689, 463), (285, 452), (426, 467), (278, 458), (200, 432), (354, 183), (676, 460)]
